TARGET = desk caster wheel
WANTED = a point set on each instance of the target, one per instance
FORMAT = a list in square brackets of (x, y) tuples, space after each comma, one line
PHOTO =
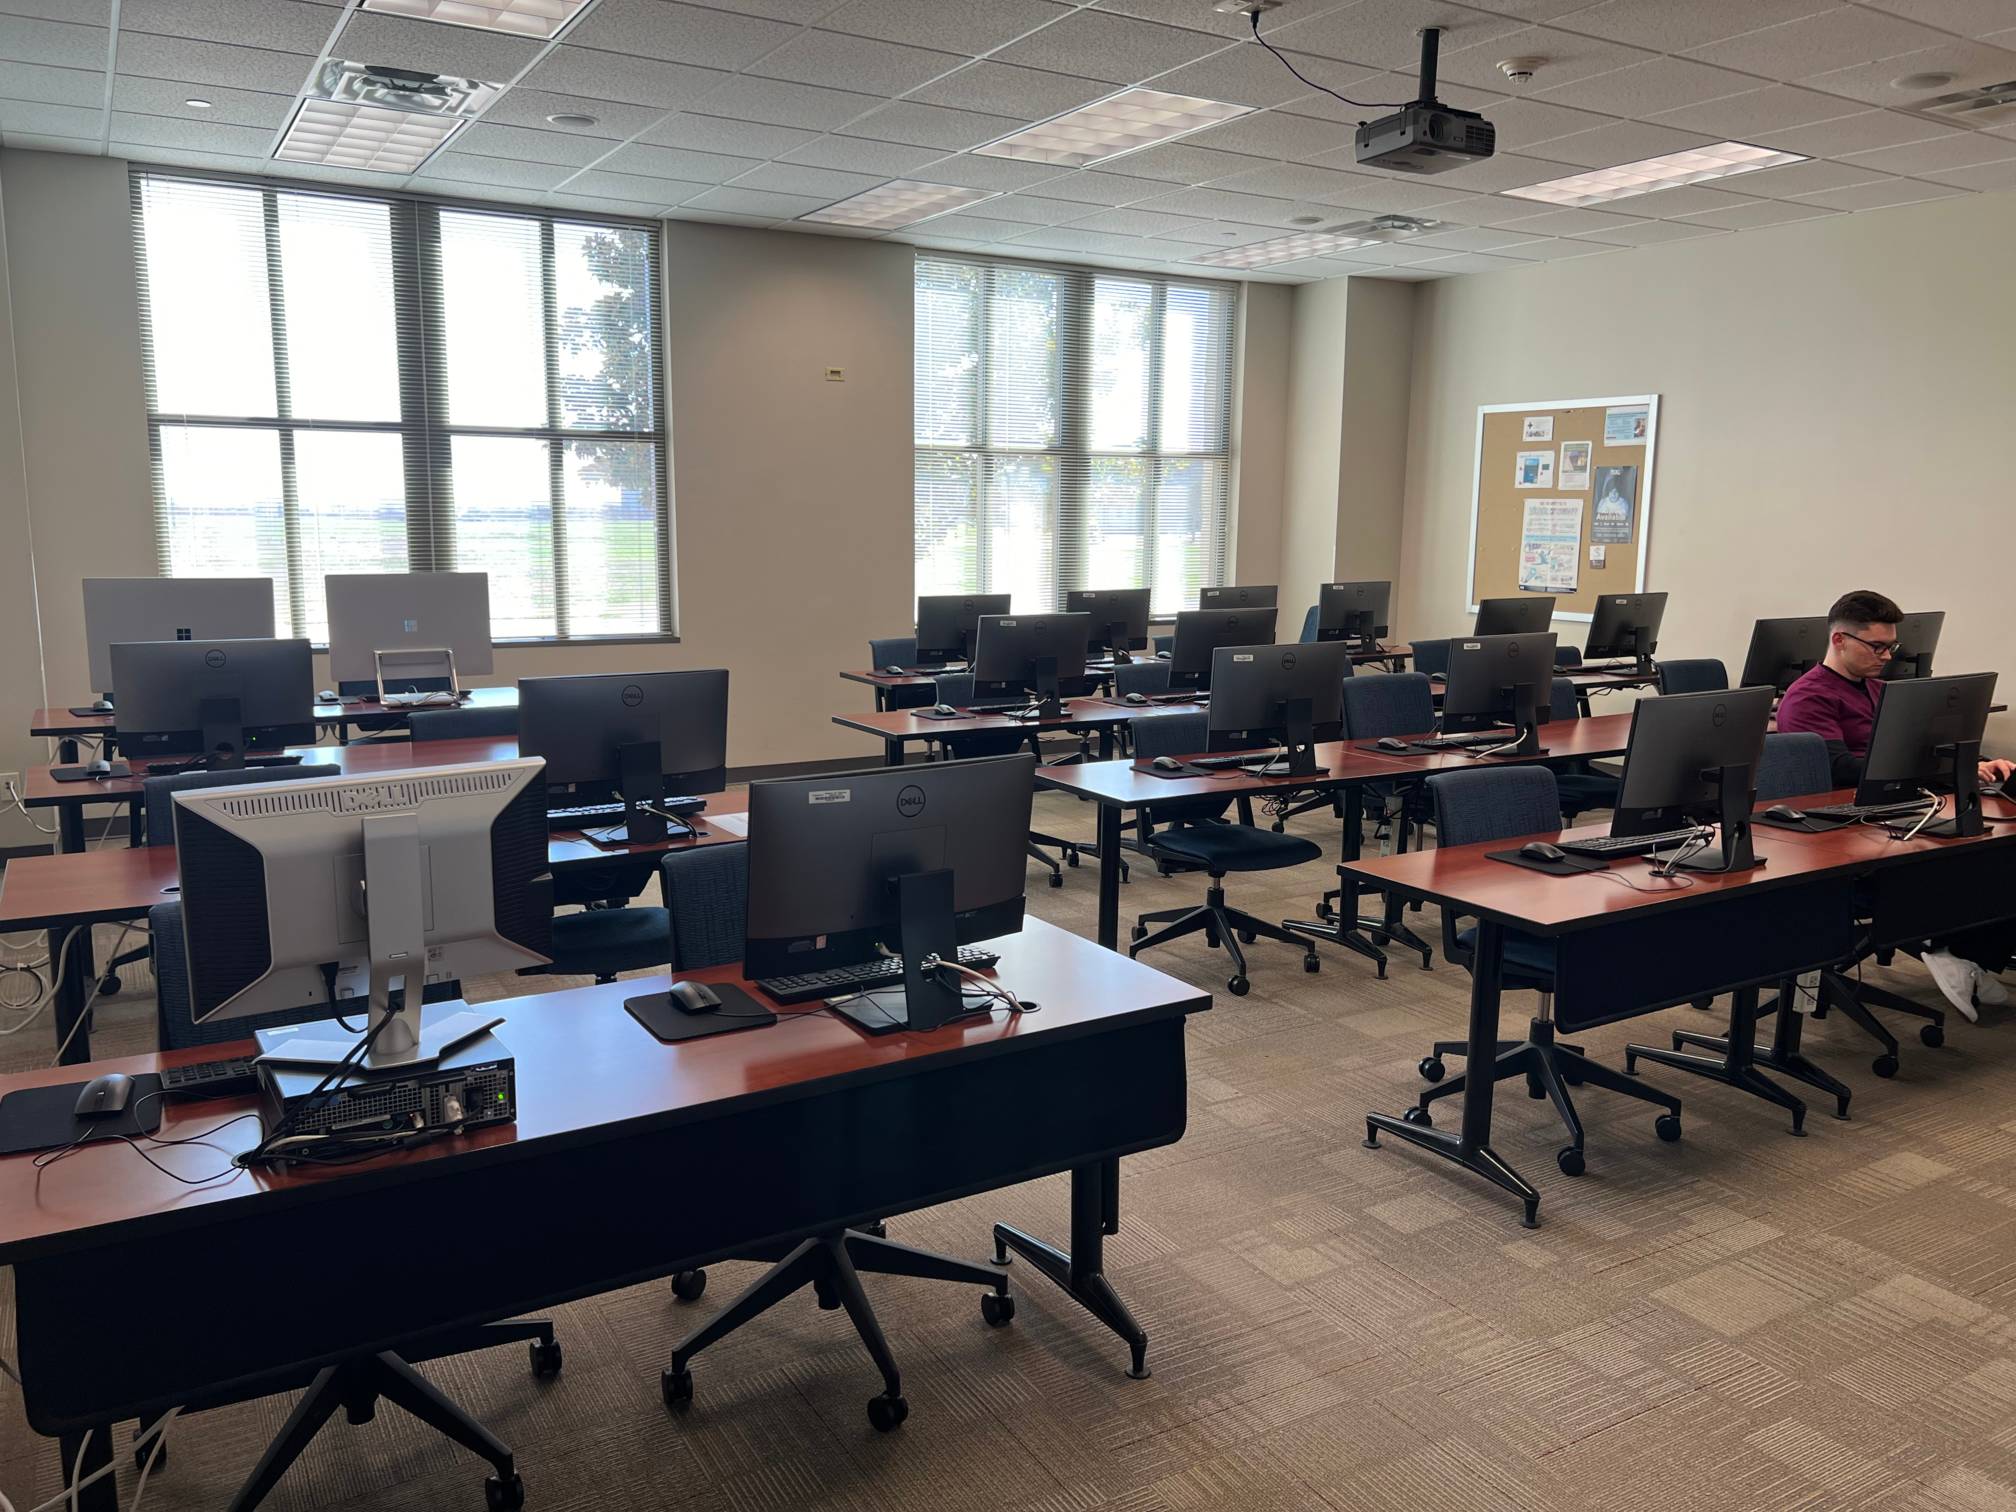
[(1570, 1075), (676, 1386), (1324, 911), (1704, 1003), (827, 1298), (1534, 1088), (998, 1308), (1932, 1036), (1280, 825), (1570, 1161), (108, 985), (1139, 934), (1247, 937), (878, 1228), (546, 1360), (1238, 986), (687, 1285), (1071, 858), (1431, 1069), (1056, 879), (1884, 1065), (886, 1413), (1418, 1115), (1667, 1127), (504, 1493), (1312, 963)]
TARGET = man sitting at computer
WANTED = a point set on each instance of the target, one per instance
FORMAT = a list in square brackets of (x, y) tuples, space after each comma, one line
[(1837, 700)]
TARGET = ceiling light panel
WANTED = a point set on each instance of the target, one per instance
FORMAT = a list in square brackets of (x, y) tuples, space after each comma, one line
[(1125, 122), (900, 202), (1695, 166), (1281, 249), (366, 137), (539, 19)]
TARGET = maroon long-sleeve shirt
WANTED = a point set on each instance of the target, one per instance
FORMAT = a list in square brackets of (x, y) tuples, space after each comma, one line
[(1840, 710)]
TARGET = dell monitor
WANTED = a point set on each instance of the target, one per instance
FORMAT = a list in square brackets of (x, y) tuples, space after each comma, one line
[(914, 861), (218, 700), (1928, 736), (636, 736), (1917, 639), (407, 632), (1782, 650), (1693, 758), (1528, 614), (1199, 634), (1253, 596), (1119, 618), (1626, 624), (1355, 612), (1497, 680), (297, 896), (170, 609), (1289, 697), (948, 622), (1040, 653)]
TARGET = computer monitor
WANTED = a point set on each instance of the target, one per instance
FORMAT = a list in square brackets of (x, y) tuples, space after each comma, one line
[(1119, 618), (915, 860), (1625, 624), (1290, 697), (1199, 634), (1039, 653), (948, 622), (1693, 758), (1528, 614), (1500, 680), (217, 699), (407, 632), (298, 895), (170, 609), (1356, 612), (1782, 650), (1928, 736), (1917, 639), (636, 736), (1250, 596)]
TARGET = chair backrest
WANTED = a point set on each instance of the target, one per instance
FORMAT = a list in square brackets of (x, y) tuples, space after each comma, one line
[(1182, 734), (1794, 763), (893, 651), (1165, 642), (1431, 657), (486, 722), (1399, 703), (1703, 676), (1562, 703), (707, 895), (1309, 623), (1491, 803), (1567, 656), (157, 793), (1147, 677), (171, 992), (955, 687)]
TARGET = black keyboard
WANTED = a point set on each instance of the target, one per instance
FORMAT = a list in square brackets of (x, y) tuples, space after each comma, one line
[(1165, 698), (1465, 742), (225, 1078), (1630, 845), (1253, 760), (158, 768), (811, 985), (1910, 809), (585, 816)]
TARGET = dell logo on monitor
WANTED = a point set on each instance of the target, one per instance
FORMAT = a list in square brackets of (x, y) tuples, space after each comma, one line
[(632, 695), (1719, 714), (1287, 661), (213, 658), (910, 802)]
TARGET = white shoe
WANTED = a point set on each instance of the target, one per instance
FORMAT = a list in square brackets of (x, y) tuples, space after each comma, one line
[(1988, 988), (1956, 978)]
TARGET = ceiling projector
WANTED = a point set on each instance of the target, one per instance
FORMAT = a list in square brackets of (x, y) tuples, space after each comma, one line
[(1426, 136)]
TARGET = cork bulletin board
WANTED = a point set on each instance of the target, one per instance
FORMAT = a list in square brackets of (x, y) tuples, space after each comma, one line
[(1561, 501)]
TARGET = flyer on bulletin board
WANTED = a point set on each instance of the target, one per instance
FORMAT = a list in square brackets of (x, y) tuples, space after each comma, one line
[(1575, 463), (1626, 425), (1550, 546), (1533, 469), (1616, 506)]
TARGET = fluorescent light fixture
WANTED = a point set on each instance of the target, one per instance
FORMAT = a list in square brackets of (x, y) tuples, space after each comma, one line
[(1282, 249), (900, 202), (1125, 122), (542, 19), (1692, 167), (367, 137)]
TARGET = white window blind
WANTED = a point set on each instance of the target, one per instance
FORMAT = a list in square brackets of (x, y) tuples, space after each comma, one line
[(345, 383), (1072, 431)]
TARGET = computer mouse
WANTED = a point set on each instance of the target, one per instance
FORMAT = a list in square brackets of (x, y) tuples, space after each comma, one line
[(1390, 743), (893, 670), (1166, 764), (1782, 811), (325, 695), (1540, 850), (99, 768), (694, 997), (1135, 698), (943, 709), (105, 1096), (100, 706)]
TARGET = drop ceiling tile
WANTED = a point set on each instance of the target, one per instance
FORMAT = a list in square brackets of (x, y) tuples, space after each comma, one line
[(1139, 222), (279, 25), (1505, 171), (678, 163), (51, 120), (863, 63), (971, 27), (856, 155), (1070, 239), (1646, 88), (631, 188), (1315, 268), (1105, 46), (707, 133), (188, 62), (1857, 133), (1667, 27), (1381, 193), (1651, 233), (230, 107), (1220, 234), (677, 33), (977, 226), (1379, 92), (628, 81), (828, 184), (1404, 275), (1091, 186), (1026, 93), (464, 51), (1293, 181), (1561, 248), (1275, 134), (1596, 224), (777, 103), (1392, 254), (931, 126), (1938, 155), (1807, 178), (1741, 117), (1883, 193), (1221, 204), (1688, 199), (1252, 76), (592, 204), (77, 12), (43, 85), (1478, 239), (1835, 38), (472, 168), (1384, 33), (55, 43), (531, 107), (1523, 122), (487, 139), (1972, 64), (31, 142), (199, 135), (797, 12), (1762, 213), (1181, 163), (1472, 262), (1477, 210), (1205, 18), (1031, 210), (1569, 58), (1970, 18), (972, 172), (1985, 178), (1622, 142), (183, 157)]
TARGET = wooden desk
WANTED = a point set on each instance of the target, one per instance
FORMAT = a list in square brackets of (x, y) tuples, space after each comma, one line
[(896, 728), (59, 723), (551, 1209)]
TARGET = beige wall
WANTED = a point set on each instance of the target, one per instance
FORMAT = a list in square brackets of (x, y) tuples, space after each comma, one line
[(1372, 474), (1315, 443), (20, 653), (1260, 429)]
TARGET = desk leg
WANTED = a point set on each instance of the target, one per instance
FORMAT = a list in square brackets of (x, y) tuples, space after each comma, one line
[(1106, 750), (66, 750), (892, 753), (74, 992), (1109, 876), (1081, 1273), (1346, 927), (1472, 1148), (69, 828), (102, 1496)]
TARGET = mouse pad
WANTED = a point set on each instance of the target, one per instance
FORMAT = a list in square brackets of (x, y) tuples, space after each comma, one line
[(934, 714), (1806, 826), (1571, 866), (670, 1025), (44, 1118)]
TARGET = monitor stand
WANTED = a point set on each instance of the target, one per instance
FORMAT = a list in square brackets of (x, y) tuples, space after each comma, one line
[(1642, 647), (641, 782), (1526, 720), (1966, 819), (413, 666), (223, 725), (1049, 703), (928, 932), (1116, 643), (1295, 718), (1737, 790)]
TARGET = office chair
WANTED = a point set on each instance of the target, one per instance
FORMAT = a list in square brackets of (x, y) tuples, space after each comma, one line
[(1309, 624), (1496, 803), (1164, 643), (956, 688), (1581, 787), (1566, 657), (898, 651), (707, 893), (1195, 833), (1704, 676), (486, 722), (1431, 658)]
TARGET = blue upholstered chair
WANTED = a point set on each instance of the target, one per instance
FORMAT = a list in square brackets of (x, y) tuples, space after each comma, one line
[(1146, 677), (1500, 803), (1195, 832), (1581, 788), (480, 722), (1431, 657), (1703, 676), (1566, 657), (956, 688), (898, 651), (1309, 619)]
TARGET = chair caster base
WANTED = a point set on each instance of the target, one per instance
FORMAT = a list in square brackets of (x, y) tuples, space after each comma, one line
[(546, 1359), (997, 1308), (687, 1285), (886, 1413), (504, 1493)]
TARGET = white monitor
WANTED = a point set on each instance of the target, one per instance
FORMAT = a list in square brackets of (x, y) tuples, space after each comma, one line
[(406, 612), (119, 610)]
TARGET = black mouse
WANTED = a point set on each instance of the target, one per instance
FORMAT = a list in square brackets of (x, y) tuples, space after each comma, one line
[(1782, 811), (1390, 743), (694, 997), (1540, 850), (893, 670), (105, 1096), (1166, 764), (1135, 698)]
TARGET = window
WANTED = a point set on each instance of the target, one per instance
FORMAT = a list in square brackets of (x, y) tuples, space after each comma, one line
[(340, 383), (1072, 431)]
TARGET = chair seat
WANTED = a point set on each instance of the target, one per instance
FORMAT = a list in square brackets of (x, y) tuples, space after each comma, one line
[(1525, 956), (605, 941), (1585, 790), (1235, 847)]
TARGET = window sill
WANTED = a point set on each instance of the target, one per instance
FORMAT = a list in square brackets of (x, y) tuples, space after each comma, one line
[(320, 648)]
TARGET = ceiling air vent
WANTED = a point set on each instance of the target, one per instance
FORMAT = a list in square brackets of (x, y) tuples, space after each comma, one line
[(1384, 228), (1989, 105)]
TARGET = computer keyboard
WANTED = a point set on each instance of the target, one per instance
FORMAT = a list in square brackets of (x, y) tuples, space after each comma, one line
[(1465, 742), (159, 768), (1252, 759), (584, 816), (1630, 845), (1911, 809), (420, 701), (224, 1078), (811, 985)]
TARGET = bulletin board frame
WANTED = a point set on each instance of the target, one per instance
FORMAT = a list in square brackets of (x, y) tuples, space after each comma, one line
[(1498, 499)]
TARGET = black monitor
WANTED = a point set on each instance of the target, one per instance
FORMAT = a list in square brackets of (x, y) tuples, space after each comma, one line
[(1200, 632), (1783, 650), (1625, 624), (218, 699), (1917, 639), (1356, 612), (633, 735), (1499, 680), (1289, 697), (1039, 653), (1252, 596), (1528, 614), (1928, 736), (1119, 618), (915, 860), (948, 622), (1693, 759)]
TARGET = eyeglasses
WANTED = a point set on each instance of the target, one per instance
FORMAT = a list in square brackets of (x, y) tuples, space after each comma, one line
[(1886, 649)]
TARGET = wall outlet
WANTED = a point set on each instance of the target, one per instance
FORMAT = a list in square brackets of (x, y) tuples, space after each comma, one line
[(836, 375)]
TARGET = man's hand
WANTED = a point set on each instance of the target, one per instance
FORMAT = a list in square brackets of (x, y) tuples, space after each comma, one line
[(1998, 770)]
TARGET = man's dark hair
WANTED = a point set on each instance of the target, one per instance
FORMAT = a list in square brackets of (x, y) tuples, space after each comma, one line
[(1864, 606)]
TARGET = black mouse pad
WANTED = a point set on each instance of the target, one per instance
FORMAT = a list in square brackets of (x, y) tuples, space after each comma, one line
[(1568, 866), (669, 1025), (1806, 825), (934, 714), (45, 1118)]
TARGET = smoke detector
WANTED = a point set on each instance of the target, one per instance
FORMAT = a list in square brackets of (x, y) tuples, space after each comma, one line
[(1937, 79), (1520, 70), (1246, 7)]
